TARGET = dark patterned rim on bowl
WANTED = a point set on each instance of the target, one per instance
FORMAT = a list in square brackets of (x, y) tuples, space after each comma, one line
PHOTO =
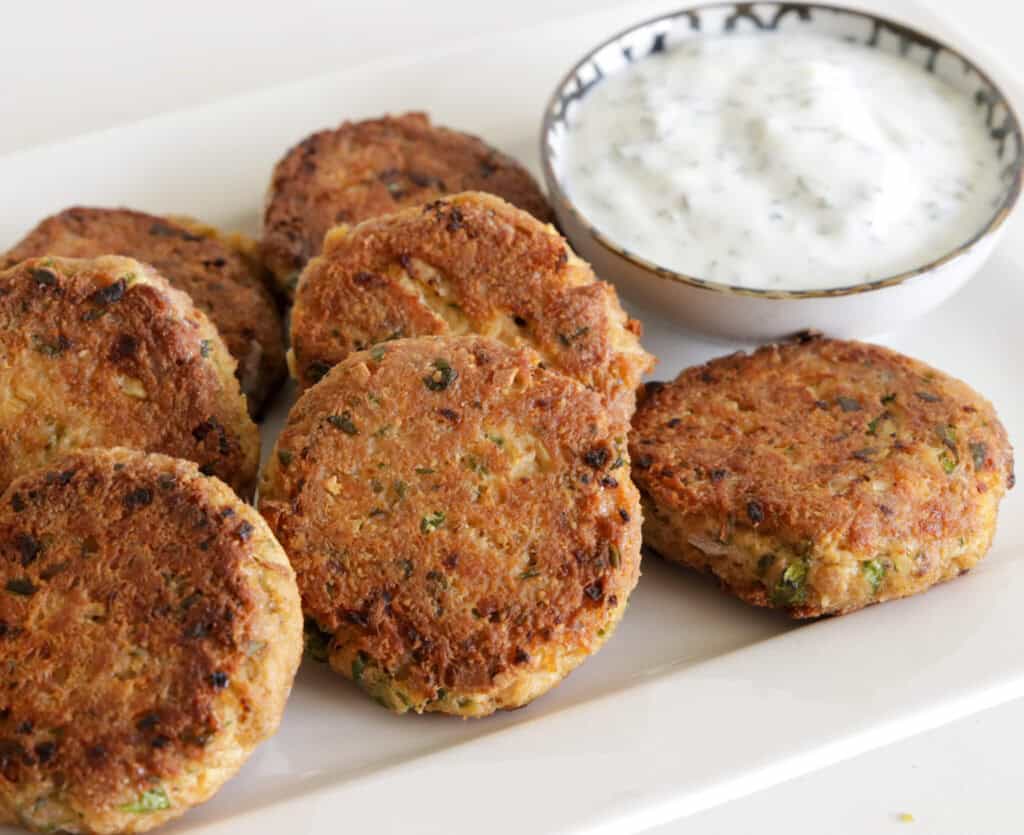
[(659, 34)]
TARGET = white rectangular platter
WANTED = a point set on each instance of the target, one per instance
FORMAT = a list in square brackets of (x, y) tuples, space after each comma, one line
[(698, 698)]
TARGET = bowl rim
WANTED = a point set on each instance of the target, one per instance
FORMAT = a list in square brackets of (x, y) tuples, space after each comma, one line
[(993, 225)]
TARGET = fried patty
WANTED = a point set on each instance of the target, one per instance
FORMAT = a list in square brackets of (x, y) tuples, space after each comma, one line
[(461, 521), (819, 477), (104, 352), (470, 263), (370, 168), (151, 630), (218, 271)]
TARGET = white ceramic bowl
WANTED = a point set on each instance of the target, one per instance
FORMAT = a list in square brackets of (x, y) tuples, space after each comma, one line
[(742, 313)]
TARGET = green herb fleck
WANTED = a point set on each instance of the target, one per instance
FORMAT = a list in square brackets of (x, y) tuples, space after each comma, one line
[(497, 440), (888, 398), (618, 462), (343, 422), (873, 426), (424, 471), (947, 461), (874, 573), (205, 348), (442, 376), (791, 588), (979, 454), (284, 456), (400, 488), (614, 557), (530, 572), (432, 521), (358, 666), (151, 800), (377, 352)]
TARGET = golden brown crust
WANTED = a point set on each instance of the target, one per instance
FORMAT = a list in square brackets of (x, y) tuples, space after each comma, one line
[(218, 276), (150, 628), (370, 168), (461, 521), (104, 352), (876, 473), (470, 263)]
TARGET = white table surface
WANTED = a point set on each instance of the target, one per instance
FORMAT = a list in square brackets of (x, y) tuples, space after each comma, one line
[(71, 67)]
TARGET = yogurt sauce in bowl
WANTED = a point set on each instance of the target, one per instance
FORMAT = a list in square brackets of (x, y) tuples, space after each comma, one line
[(784, 161)]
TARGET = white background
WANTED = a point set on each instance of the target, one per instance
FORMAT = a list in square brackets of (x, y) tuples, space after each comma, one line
[(72, 67)]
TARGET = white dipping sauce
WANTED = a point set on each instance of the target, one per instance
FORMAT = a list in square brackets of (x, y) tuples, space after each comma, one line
[(782, 161)]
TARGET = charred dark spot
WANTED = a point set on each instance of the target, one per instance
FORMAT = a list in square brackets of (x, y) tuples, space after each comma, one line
[(455, 220), (160, 741), (244, 531), (358, 618), (219, 680), (717, 475), (885, 510), (405, 261), (317, 370), (613, 601), (110, 294), (148, 722), (848, 404), (45, 751), (29, 548), (708, 377), (866, 454), (62, 479), (595, 591), (755, 511), (596, 458), (653, 386), (24, 728), (139, 497), (53, 570), (217, 263), (608, 481), (163, 230), (521, 656), (487, 167), (21, 586), (822, 404), (451, 560), (643, 462), (624, 514), (198, 630), (520, 321), (450, 415), (927, 396), (96, 753), (44, 277), (672, 424), (124, 347), (367, 279), (18, 503)]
